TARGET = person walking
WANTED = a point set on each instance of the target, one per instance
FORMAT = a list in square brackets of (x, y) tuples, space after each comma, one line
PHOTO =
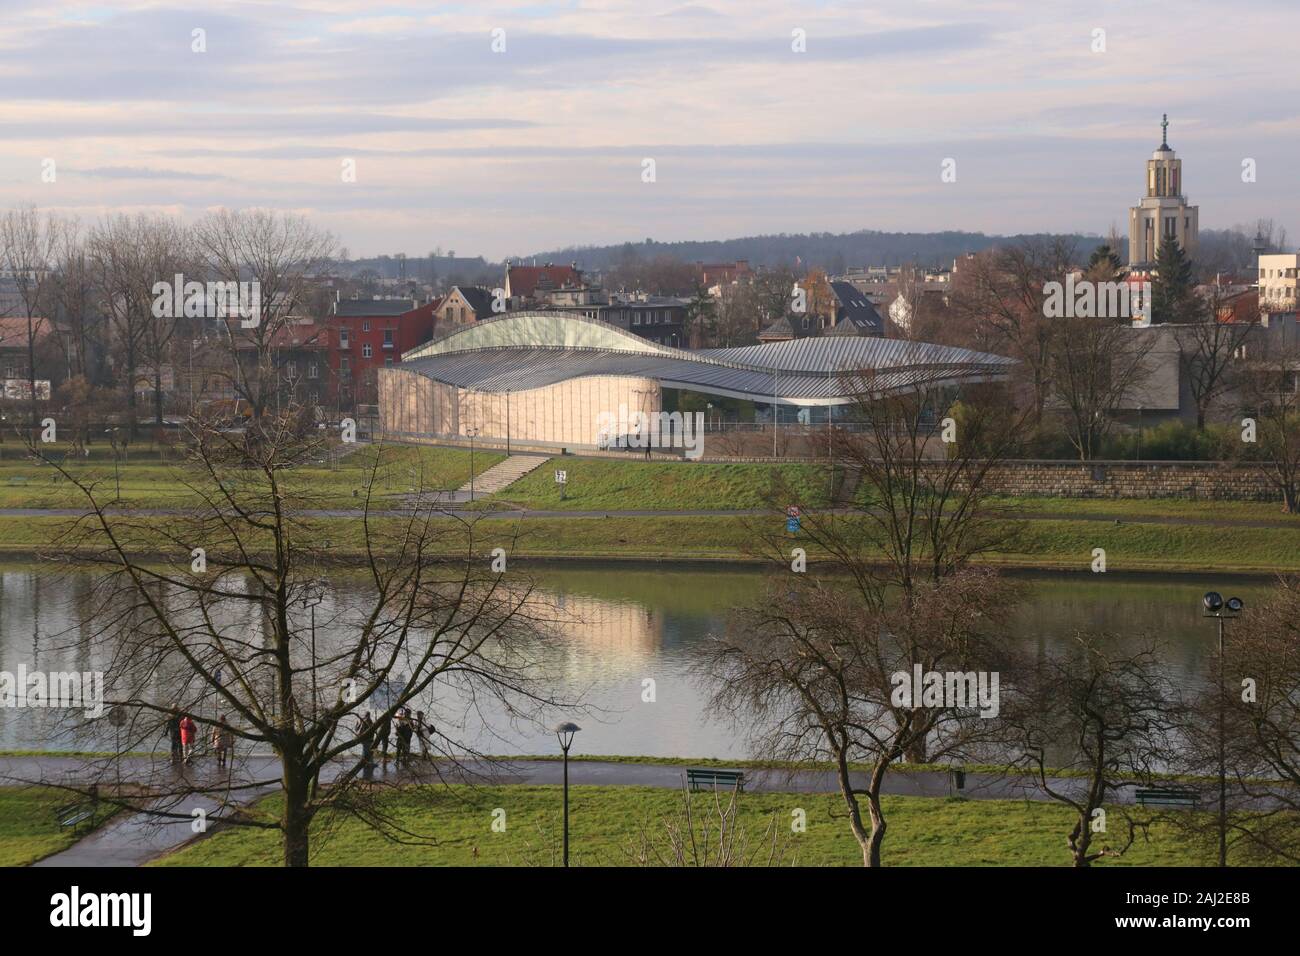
[(382, 735), (174, 736), (366, 731), (188, 732), (422, 732), (223, 741), (403, 738)]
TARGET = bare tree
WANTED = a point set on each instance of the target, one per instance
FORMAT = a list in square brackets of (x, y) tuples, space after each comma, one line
[(280, 252), (218, 630), (1206, 350), (1272, 398), (1000, 300), (125, 276), (1095, 365), (821, 672), (1263, 723), (1105, 717), (30, 241)]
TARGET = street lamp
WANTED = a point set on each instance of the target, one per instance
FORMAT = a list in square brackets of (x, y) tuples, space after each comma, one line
[(1216, 607), (565, 732), (313, 594), (471, 431)]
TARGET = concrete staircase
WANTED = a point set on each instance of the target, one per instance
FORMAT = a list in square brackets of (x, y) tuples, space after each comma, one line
[(503, 474)]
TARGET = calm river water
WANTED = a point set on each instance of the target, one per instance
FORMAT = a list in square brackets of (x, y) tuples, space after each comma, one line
[(632, 622)]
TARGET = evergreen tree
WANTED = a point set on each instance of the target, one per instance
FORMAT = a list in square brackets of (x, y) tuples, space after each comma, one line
[(1172, 293), (1104, 262)]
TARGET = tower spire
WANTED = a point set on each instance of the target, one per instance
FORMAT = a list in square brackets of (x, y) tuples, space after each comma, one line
[(1164, 129)]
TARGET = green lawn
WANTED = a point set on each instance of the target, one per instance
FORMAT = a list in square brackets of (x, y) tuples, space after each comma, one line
[(608, 825), (29, 827), (1046, 544), (607, 485), (146, 480)]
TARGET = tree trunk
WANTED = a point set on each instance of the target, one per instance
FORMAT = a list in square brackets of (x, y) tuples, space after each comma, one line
[(878, 825), (294, 819)]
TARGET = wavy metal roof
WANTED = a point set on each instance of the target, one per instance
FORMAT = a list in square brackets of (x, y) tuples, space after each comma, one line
[(525, 350)]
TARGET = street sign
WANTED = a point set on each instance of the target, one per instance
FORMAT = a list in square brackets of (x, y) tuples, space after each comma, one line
[(561, 477), (792, 525)]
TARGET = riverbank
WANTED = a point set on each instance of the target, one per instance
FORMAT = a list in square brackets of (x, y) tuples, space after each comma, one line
[(1045, 544)]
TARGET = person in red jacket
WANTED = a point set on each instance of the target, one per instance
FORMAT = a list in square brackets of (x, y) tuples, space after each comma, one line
[(188, 732)]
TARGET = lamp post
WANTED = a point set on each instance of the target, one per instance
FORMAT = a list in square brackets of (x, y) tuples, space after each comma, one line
[(471, 431), (313, 595), (1217, 608), (565, 732)]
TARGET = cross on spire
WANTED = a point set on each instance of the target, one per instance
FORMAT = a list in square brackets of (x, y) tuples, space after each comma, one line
[(1164, 129)]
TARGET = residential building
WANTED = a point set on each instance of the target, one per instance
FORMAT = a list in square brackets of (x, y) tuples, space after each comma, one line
[(527, 285), (461, 306), (1277, 282), (370, 334)]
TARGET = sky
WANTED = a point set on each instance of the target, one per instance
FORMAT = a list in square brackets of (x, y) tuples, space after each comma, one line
[(502, 128)]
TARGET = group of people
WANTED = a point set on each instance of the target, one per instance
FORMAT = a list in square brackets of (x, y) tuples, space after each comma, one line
[(378, 736), (183, 733)]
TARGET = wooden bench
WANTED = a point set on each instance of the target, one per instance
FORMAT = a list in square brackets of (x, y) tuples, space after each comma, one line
[(731, 779), (1168, 797)]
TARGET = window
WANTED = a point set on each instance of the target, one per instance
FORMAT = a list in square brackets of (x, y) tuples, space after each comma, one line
[(343, 365), (388, 338), (388, 361), (636, 318), (366, 350), (343, 338), (313, 370), (365, 326)]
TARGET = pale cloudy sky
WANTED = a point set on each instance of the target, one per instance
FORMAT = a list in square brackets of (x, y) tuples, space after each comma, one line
[(542, 145)]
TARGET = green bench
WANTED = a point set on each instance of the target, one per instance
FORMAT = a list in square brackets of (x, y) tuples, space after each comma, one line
[(731, 779), (1168, 797)]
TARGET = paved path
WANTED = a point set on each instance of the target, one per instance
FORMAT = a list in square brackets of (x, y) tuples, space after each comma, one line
[(135, 839), (458, 497)]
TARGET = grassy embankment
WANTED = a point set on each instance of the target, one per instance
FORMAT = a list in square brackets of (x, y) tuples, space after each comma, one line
[(145, 479), (608, 825), (1151, 534), (29, 825)]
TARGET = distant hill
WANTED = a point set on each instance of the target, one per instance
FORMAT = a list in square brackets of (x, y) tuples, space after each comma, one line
[(831, 251)]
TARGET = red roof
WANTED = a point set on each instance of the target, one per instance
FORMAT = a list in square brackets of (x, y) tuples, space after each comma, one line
[(13, 330), (523, 280)]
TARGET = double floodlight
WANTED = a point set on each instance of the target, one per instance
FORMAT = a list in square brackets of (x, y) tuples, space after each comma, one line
[(1215, 604)]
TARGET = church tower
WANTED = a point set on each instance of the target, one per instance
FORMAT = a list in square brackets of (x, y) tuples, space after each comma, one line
[(1163, 212)]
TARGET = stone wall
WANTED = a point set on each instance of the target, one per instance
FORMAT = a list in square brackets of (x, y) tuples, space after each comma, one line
[(1211, 481)]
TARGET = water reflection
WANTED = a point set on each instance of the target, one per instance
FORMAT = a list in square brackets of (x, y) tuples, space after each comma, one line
[(621, 627)]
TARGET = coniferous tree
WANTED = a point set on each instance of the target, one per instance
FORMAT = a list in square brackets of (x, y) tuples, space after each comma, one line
[(1172, 293)]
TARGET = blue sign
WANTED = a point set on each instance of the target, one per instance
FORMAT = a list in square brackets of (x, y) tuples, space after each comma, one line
[(792, 525)]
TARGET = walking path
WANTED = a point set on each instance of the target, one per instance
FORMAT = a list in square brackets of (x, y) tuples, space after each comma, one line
[(135, 839), (512, 511)]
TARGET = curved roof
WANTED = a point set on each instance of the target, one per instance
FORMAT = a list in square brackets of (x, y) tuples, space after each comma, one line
[(524, 350)]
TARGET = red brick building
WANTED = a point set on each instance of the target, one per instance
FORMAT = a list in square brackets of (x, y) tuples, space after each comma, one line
[(371, 334)]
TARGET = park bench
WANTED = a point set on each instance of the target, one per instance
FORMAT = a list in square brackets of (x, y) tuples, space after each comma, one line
[(697, 777), (75, 814), (1168, 797)]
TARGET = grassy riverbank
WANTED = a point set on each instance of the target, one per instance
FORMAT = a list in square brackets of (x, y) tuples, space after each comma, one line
[(1039, 544), (609, 827)]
